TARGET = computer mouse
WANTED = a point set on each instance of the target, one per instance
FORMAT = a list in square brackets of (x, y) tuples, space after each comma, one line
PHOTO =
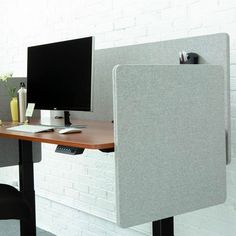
[(70, 130)]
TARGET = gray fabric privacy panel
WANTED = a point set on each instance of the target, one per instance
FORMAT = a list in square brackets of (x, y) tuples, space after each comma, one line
[(5, 113), (9, 152), (213, 49), (169, 140)]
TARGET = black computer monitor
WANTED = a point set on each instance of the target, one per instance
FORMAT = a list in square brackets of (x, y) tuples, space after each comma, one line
[(59, 75)]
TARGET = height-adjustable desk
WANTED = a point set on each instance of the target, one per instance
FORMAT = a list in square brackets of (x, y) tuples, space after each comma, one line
[(171, 129), (97, 135)]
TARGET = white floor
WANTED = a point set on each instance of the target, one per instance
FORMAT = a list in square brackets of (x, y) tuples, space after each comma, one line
[(12, 228)]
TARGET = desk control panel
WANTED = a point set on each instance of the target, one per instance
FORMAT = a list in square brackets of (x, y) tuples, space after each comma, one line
[(69, 150)]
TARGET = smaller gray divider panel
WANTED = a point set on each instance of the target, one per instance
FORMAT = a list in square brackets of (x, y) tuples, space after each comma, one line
[(5, 113), (9, 151), (169, 140)]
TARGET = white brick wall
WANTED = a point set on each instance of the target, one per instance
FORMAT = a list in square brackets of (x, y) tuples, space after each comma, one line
[(73, 186)]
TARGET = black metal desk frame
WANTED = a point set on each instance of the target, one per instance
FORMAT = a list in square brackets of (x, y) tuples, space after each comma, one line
[(164, 227), (26, 178)]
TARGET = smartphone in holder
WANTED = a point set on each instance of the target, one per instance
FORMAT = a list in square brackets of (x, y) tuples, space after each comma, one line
[(188, 58)]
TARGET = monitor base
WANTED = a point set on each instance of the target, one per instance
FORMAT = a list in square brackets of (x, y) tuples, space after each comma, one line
[(60, 121)]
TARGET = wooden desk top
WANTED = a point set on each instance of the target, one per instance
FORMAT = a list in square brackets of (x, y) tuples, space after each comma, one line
[(96, 135)]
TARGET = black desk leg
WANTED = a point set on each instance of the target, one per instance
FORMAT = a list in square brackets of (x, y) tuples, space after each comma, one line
[(26, 172), (164, 227)]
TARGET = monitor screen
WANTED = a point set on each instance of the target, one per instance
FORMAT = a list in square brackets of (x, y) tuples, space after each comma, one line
[(59, 75)]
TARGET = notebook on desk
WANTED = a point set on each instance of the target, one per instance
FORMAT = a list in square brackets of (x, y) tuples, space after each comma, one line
[(31, 128)]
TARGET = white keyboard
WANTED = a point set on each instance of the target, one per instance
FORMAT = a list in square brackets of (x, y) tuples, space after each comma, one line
[(31, 128)]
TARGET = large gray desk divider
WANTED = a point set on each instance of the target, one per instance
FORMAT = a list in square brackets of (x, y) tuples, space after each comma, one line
[(213, 49), (169, 140), (9, 152)]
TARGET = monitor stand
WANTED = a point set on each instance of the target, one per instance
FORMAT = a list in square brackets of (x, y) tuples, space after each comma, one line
[(67, 118), (67, 122)]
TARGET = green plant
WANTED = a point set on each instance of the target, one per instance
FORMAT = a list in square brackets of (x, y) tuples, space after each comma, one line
[(5, 81)]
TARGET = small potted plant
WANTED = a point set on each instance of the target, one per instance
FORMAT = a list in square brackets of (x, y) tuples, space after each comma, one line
[(4, 79)]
